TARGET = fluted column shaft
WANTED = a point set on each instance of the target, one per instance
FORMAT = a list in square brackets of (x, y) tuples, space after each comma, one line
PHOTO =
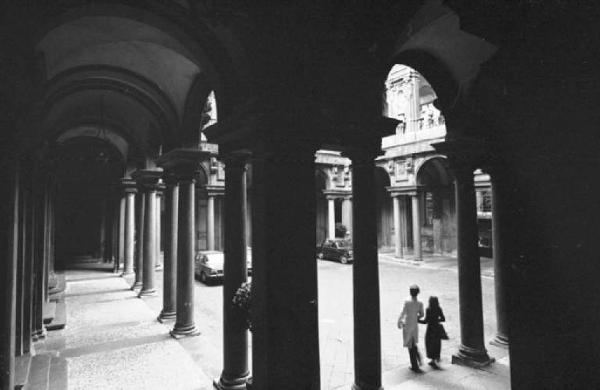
[(472, 349), (169, 310), (235, 335), (367, 336)]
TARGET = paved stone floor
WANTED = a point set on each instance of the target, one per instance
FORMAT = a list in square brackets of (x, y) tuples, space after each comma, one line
[(113, 341)]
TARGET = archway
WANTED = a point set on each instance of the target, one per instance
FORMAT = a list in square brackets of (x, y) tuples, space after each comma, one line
[(85, 169), (438, 225)]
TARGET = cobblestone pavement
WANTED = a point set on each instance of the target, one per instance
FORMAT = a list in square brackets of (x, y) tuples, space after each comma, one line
[(104, 317)]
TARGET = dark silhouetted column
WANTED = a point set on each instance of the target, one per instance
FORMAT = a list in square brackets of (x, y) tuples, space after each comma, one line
[(367, 337), (9, 218), (235, 336), (499, 233), (169, 310), (472, 350), (285, 335)]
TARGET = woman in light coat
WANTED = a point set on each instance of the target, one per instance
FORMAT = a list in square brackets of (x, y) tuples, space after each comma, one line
[(408, 321)]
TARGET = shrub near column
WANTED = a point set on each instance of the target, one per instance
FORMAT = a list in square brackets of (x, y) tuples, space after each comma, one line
[(243, 300)]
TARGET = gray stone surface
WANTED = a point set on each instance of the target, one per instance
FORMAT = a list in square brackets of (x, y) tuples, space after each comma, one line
[(113, 341)]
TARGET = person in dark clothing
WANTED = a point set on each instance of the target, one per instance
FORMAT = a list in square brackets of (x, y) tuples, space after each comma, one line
[(435, 333)]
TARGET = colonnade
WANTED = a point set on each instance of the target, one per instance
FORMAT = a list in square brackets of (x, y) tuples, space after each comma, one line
[(346, 217), (280, 277)]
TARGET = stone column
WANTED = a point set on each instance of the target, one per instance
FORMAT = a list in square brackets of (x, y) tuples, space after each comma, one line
[(169, 310), (398, 227), (285, 336), (414, 107), (140, 206), (121, 234), (347, 213), (148, 178), (416, 225), (183, 164), (39, 331), (159, 194), (330, 217), (210, 223), (500, 216), (8, 276), (130, 190), (235, 336), (103, 219), (367, 331), (472, 351)]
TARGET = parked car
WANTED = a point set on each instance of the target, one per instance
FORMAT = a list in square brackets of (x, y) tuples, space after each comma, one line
[(339, 249), (208, 265)]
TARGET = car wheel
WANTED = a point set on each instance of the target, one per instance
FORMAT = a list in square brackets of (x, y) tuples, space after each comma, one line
[(320, 256), (203, 278), (344, 260)]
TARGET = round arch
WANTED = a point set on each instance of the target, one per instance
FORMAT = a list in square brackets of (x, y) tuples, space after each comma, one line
[(438, 205)]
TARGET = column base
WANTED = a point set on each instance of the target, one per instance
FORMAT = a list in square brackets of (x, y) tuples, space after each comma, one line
[(470, 357), (365, 386), (147, 293), (231, 384), (188, 331), (500, 341), (137, 285), (127, 273), (158, 267), (165, 316)]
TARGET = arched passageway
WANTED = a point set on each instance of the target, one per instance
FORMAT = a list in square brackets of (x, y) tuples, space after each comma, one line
[(85, 170)]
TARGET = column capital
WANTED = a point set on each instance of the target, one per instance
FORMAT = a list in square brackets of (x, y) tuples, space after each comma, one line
[(183, 163), (336, 194), (128, 185), (148, 179)]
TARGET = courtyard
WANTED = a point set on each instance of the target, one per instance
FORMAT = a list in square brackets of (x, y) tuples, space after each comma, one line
[(113, 341)]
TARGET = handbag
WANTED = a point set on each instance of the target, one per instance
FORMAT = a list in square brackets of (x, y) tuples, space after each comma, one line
[(443, 334)]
